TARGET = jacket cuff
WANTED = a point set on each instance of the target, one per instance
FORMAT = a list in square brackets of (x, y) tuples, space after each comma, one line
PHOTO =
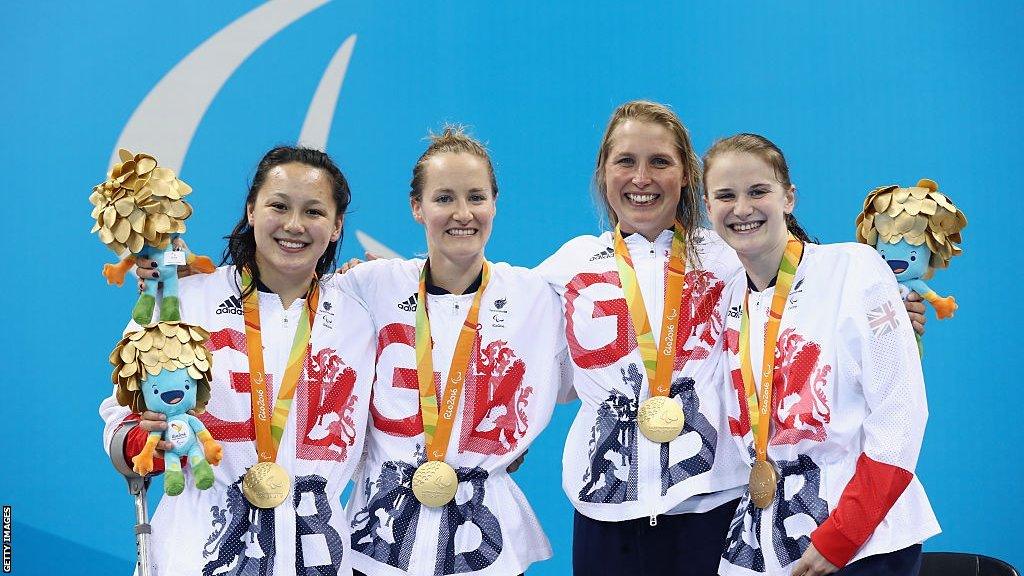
[(128, 441), (831, 543)]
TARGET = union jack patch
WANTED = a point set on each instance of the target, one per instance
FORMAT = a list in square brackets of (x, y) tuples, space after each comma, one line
[(883, 320)]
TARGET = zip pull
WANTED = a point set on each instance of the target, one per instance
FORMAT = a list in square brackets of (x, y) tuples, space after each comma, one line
[(654, 519)]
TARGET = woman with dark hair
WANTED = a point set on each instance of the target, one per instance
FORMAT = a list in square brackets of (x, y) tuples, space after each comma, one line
[(292, 368), (827, 396)]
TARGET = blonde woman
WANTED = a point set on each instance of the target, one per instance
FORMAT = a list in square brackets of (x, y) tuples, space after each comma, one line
[(649, 464)]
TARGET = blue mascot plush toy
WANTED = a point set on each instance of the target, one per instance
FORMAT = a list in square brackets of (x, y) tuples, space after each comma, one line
[(140, 211), (916, 230), (165, 368)]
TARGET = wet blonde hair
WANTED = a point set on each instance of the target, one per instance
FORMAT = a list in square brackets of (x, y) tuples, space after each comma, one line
[(453, 139), (767, 151), (688, 210)]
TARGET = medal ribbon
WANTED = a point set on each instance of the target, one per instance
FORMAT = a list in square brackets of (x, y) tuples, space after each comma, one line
[(270, 427), (760, 407), (657, 362), (437, 425)]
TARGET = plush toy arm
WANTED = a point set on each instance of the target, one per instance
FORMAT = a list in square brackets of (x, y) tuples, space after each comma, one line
[(114, 273), (143, 463), (944, 307), (201, 263), (211, 448)]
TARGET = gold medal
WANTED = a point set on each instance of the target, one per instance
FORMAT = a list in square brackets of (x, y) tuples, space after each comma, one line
[(660, 419), (763, 482), (266, 485), (434, 483)]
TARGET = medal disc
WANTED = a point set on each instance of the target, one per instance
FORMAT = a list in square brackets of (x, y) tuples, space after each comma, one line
[(266, 485), (434, 483), (660, 419), (763, 482)]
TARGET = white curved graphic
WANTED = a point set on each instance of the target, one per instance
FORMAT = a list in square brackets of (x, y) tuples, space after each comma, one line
[(165, 121), (374, 246), (317, 125)]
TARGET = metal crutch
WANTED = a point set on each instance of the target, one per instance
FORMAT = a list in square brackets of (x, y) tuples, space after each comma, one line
[(137, 486)]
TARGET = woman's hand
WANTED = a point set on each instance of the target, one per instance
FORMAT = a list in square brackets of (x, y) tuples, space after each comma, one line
[(355, 262), (517, 462), (812, 563), (155, 422), (145, 268), (915, 308)]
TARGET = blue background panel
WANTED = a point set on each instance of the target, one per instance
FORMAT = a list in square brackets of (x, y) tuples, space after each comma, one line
[(857, 95)]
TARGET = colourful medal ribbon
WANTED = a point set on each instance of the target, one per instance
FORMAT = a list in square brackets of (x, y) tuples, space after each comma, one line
[(760, 407), (437, 426), (270, 427), (658, 362)]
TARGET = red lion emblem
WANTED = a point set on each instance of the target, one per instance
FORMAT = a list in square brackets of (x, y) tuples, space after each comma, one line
[(801, 405), (495, 417), (326, 408), (700, 316), (801, 409)]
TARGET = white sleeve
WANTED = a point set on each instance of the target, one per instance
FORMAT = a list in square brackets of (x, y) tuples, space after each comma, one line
[(566, 390), (113, 415), (881, 341), (349, 284)]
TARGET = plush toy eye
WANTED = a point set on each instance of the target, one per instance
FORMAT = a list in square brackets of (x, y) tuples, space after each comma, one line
[(186, 386)]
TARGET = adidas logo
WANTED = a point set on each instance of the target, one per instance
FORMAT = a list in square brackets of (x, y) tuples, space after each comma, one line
[(410, 304), (606, 253), (232, 305)]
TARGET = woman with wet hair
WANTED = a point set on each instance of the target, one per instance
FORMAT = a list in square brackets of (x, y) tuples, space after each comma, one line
[(647, 463), (826, 396), (283, 339)]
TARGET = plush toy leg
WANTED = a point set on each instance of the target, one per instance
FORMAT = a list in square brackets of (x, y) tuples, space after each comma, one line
[(201, 470), (944, 307), (169, 305), (143, 312), (114, 273), (174, 478), (170, 310)]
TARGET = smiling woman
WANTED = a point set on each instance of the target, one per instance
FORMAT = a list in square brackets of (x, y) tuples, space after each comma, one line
[(646, 465), (481, 343), (293, 220), (824, 385), (274, 334)]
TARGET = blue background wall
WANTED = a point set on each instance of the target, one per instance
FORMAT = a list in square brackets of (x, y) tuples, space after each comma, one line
[(857, 95)]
